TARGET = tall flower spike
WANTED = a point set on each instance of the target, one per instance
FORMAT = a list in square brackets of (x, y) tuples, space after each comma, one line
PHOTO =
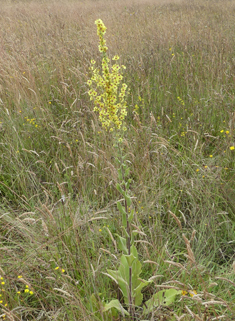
[(106, 87)]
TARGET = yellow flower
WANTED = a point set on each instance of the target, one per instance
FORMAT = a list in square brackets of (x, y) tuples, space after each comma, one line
[(197, 170), (184, 293), (227, 132), (222, 131), (57, 268), (231, 147), (192, 293), (26, 290), (109, 94), (210, 155)]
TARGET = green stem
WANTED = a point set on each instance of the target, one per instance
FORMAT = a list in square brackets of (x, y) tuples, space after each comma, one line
[(131, 303)]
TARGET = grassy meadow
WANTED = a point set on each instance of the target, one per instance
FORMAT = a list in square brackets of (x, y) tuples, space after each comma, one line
[(58, 174)]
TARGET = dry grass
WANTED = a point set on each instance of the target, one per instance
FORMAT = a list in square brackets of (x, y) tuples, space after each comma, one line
[(180, 69)]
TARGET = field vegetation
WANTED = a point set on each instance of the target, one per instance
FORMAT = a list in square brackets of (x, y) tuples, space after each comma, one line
[(58, 168)]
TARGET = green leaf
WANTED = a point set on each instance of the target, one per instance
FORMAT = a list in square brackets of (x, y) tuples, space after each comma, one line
[(117, 305), (134, 251), (133, 234), (122, 283), (119, 188), (130, 258), (127, 172), (123, 212), (137, 291), (122, 244), (164, 297), (125, 232), (122, 275), (121, 208), (131, 215), (127, 198), (119, 174)]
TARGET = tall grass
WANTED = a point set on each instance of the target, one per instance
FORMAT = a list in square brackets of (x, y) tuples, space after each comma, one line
[(57, 168)]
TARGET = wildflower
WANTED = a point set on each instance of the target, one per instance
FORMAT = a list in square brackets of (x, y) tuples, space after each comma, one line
[(57, 268), (31, 292), (19, 276), (109, 94), (211, 156), (184, 293), (222, 131), (192, 293), (227, 132), (100, 230), (26, 290), (231, 147), (62, 270), (18, 292), (197, 170)]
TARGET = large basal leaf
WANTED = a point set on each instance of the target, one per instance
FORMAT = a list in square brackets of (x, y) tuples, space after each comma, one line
[(122, 277), (164, 297), (122, 283), (117, 305)]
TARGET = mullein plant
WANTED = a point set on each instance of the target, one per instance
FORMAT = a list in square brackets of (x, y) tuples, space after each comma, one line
[(109, 92)]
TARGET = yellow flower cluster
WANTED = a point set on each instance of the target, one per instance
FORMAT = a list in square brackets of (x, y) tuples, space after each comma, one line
[(191, 293), (181, 100), (31, 121), (106, 87)]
